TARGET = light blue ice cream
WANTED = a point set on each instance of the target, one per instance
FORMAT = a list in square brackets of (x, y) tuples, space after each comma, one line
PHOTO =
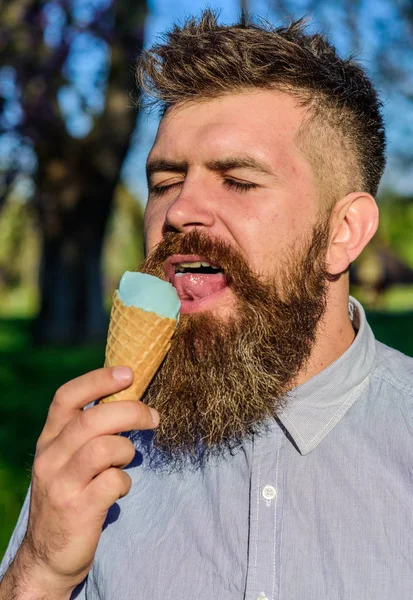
[(149, 293)]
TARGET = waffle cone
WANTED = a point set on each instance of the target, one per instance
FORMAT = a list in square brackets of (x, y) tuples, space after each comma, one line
[(140, 340)]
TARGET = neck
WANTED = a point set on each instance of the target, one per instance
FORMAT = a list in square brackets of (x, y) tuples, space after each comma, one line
[(335, 333)]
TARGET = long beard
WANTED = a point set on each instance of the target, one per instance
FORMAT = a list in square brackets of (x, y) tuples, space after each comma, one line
[(223, 379)]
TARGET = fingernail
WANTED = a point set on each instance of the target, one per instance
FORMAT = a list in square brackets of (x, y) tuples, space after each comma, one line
[(122, 373), (155, 416)]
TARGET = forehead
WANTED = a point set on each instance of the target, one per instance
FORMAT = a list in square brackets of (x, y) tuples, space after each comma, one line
[(262, 124)]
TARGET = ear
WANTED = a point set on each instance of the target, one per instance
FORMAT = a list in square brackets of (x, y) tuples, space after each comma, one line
[(354, 221)]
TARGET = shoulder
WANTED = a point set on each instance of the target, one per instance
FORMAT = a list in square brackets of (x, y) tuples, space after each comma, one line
[(394, 373)]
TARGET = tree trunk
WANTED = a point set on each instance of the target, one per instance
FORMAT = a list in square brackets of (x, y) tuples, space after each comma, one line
[(71, 278), (75, 184)]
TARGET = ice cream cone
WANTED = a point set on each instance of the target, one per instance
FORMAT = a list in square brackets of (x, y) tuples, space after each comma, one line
[(139, 339)]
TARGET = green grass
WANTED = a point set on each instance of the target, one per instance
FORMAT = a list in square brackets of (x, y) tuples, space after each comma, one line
[(29, 377), (394, 329)]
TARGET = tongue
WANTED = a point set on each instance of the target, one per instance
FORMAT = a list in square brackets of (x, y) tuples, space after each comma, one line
[(195, 286)]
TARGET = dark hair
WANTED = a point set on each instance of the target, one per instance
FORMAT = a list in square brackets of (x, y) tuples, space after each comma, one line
[(343, 134)]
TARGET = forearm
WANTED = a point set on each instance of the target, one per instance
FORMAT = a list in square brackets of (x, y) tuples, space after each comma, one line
[(26, 580)]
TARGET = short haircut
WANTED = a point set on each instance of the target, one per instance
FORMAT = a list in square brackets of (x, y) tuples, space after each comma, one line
[(342, 135)]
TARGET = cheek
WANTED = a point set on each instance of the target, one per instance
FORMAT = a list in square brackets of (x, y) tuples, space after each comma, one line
[(265, 239), (152, 228), (265, 227), (258, 237)]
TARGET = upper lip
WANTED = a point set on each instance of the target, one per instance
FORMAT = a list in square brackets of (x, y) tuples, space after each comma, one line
[(176, 259)]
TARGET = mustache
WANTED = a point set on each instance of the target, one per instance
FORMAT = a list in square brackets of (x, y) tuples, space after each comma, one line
[(220, 253), (246, 283)]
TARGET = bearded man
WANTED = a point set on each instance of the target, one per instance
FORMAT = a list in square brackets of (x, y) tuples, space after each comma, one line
[(271, 457)]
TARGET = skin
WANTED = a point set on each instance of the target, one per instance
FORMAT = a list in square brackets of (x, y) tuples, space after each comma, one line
[(77, 473)]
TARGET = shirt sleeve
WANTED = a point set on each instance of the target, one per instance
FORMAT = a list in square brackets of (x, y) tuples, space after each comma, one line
[(17, 537)]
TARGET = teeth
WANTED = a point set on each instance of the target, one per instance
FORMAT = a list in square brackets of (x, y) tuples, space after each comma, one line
[(194, 265)]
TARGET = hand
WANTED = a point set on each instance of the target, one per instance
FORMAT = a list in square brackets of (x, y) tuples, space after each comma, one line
[(77, 476)]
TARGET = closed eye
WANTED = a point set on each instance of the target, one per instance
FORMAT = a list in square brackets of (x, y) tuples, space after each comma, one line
[(159, 190), (239, 186)]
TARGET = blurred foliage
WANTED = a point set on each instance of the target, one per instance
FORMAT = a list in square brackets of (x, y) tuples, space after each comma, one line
[(382, 276), (20, 251), (396, 225), (123, 247), (66, 123), (19, 258), (65, 84)]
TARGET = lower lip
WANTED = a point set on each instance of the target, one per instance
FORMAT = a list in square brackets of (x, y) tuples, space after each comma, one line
[(203, 304)]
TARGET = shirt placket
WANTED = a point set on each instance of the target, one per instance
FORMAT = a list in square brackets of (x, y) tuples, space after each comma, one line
[(265, 517)]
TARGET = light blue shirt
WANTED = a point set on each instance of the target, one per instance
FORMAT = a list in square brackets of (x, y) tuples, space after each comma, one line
[(318, 508)]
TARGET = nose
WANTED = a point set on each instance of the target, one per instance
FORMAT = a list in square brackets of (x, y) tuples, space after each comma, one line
[(191, 208)]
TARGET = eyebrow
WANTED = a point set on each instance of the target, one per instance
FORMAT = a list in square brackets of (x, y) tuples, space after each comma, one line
[(157, 165), (239, 162)]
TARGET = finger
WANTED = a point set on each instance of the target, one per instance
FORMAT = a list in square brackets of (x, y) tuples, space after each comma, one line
[(100, 420), (74, 395), (92, 459), (106, 488)]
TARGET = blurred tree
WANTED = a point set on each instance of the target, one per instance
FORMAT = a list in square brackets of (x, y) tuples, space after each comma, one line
[(19, 257), (123, 247), (244, 7), (66, 120), (383, 273)]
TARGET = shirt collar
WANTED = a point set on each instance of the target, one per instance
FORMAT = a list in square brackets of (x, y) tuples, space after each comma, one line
[(316, 406)]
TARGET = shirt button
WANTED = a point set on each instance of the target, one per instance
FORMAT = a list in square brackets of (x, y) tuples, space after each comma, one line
[(262, 596), (269, 492)]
